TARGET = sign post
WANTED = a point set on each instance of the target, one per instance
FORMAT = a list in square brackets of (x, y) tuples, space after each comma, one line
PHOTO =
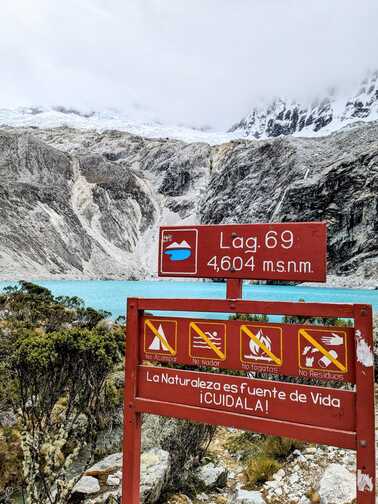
[(331, 354)]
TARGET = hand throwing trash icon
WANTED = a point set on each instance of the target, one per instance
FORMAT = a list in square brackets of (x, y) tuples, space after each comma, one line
[(322, 349), (324, 362)]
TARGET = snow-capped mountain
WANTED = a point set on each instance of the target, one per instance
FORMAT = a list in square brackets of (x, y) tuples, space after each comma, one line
[(278, 117), (331, 113)]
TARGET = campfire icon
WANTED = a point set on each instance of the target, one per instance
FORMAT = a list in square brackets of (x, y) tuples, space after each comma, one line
[(257, 353)]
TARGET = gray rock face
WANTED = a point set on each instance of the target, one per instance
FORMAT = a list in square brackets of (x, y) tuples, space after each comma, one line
[(333, 179), (82, 204)]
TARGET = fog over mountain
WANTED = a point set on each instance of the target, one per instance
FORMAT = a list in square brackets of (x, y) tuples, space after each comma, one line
[(197, 63)]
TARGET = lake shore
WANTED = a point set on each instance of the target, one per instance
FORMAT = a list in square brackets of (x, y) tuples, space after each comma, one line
[(333, 281)]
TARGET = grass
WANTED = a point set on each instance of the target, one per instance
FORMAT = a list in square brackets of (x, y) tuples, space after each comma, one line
[(261, 456), (260, 469)]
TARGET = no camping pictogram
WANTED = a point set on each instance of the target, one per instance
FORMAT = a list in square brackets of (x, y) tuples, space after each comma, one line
[(261, 345), (207, 340), (322, 350), (160, 337)]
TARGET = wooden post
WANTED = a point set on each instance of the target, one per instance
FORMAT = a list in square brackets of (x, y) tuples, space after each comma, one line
[(234, 288), (365, 411), (132, 419)]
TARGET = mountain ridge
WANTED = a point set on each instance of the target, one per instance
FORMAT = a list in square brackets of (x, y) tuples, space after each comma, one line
[(87, 204), (327, 114)]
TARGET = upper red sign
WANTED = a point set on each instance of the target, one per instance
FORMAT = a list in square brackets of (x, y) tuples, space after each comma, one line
[(284, 251)]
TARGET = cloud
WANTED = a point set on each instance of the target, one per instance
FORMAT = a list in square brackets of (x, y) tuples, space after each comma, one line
[(200, 62)]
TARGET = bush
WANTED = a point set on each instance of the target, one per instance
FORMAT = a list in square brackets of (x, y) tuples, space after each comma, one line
[(260, 469), (280, 448), (249, 317), (60, 378)]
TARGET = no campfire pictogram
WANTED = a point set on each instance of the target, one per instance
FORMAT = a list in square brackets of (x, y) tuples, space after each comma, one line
[(261, 345), (178, 251), (207, 340), (322, 350), (160, 337)]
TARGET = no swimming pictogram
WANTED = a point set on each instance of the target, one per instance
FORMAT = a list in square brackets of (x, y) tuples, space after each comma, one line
[(261, 345), (160, 337), (207, 340), (323, 350)]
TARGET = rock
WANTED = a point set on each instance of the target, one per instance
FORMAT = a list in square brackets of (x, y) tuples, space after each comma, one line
[(279, 475), (113, 497), (179, 499), (247, 497), (113, 480), (337, 485), (87, 485), (212, 476), (247, 186), (155, 466), (104, 467)]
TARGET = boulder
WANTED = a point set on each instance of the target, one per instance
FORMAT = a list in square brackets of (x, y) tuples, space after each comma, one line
[(103, 468), (155, 467), (337, 485), (87, 485), (212, 476)]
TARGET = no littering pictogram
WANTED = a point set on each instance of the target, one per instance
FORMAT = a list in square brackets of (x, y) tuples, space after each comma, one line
[(322, 350), (261, 345), (160, 337), (207, 340)]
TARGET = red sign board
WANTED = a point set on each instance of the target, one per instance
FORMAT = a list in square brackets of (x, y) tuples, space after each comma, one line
[(284, 251), (326, 415), (281, 349)]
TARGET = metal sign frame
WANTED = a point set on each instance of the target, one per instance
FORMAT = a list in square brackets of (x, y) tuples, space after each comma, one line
[(361, 438)]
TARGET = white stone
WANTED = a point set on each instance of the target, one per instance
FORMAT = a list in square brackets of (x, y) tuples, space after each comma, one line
[(293, 478), (212, 476), (279, 475), (87, 485), (247, 497), (113, 480), (337, 485)]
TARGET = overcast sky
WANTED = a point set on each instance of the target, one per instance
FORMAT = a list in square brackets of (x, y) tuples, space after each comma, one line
[(200, 62)]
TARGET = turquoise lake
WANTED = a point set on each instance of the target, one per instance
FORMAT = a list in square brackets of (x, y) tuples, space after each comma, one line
[(111, 295)]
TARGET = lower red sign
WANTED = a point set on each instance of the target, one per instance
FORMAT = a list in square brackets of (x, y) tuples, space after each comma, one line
[(320, 406)]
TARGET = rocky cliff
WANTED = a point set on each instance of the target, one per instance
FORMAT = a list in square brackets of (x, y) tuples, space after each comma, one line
[(329, 113), (84, 204)]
